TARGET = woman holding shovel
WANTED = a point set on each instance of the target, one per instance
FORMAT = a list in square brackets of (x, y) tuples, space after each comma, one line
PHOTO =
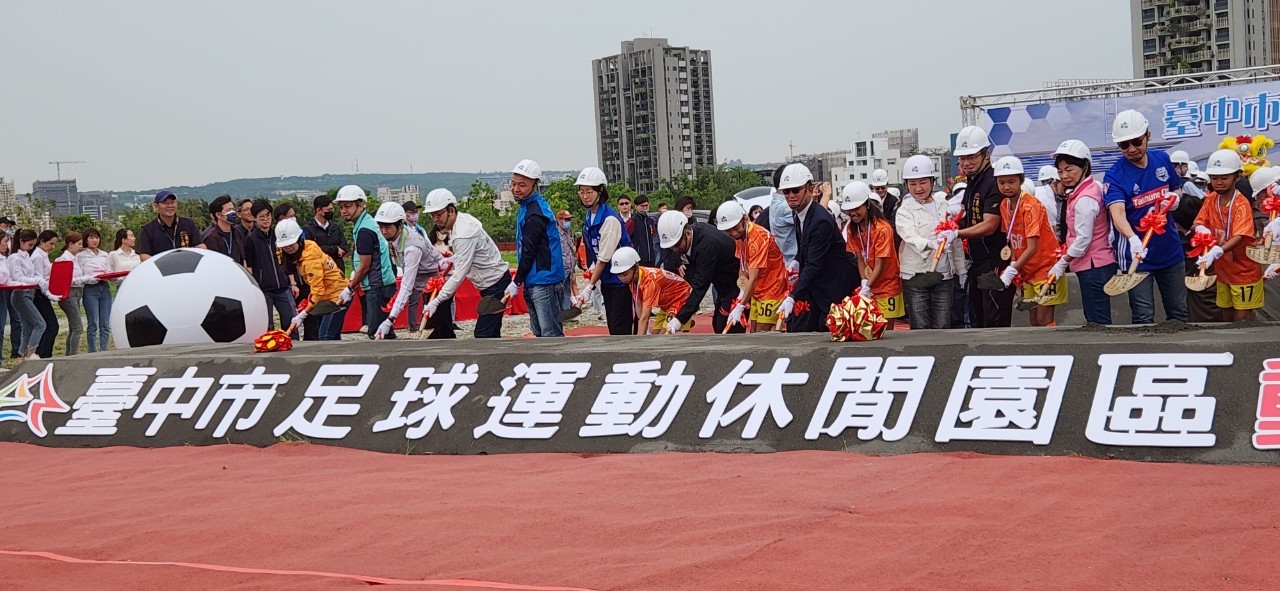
[(931, 260), (1228, 217), (1088, 254), (1032, 244), (870, 238), (321, 274)]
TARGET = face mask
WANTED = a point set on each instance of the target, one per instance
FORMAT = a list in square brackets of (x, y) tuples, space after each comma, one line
[(413, 218), (232, 217), (328, 216), (565, 224)]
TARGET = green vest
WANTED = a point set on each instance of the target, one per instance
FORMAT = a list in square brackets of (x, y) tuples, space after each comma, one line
[(388, 270)]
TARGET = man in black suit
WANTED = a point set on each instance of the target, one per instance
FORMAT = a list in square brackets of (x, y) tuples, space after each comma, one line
[(713, 261), (827, 270)]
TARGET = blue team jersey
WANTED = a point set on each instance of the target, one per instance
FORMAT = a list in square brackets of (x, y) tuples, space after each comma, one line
[(1140, 190)]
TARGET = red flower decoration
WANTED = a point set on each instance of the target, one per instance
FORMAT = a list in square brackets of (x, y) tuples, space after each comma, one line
[(948, 224), (1270, 205), (273, 340), (586, 275), (1202, 243), (800, 307), (435, 284)]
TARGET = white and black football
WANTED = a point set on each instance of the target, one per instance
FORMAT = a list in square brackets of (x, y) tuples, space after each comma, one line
[(187, 296)]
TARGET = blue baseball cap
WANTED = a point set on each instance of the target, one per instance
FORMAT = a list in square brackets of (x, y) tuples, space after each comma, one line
[(163, 196)]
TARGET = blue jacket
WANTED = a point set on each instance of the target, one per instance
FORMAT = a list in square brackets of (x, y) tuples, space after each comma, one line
[(591, 235), (540, 258)]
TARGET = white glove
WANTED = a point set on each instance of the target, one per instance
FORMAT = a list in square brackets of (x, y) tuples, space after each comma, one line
[(1200, 229), (1272, 271), (1272, 230), (91, 280), (297, 320), (52, 298), (954, 209), (735, 315), (788, 305), (344, 298), (1208, 258), (510, 291), (934, 243), (1007, 276), (584, 295), (951, 236), (964, 280), (865, 290), (1059, 269), (430, 309), (673, 325), (384, 329), (1171, 195), (1135, 247), (793, 267)]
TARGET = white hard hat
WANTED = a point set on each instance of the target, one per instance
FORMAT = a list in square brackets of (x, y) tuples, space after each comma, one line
[(1048, 173), (896, 192), (854, 195), (960, 186), (528, 168), (1128, 125), (591, 177), (1192, 167), (389, 213), (795, 175), (1008, 166), (1263, 178), (287, 232), (940, 195), (1074, 149), (1179, 157), (351, 193), (671, 227), (729, 214), (623, 259), (1223, 162), (879, 177), (971, 140), (1028, 186), (437, 200), (918, 167)]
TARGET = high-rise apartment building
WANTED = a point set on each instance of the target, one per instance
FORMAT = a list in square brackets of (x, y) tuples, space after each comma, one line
[(63, 196), (1192, 36), (96, 204), (654, 115), (8, 199)]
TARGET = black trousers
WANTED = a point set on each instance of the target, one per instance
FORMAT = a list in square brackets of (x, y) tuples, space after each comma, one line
[(721, 317), (45, 348), (490, 325), (441, 323), (619, 311), (1202, 306), (989, 309)]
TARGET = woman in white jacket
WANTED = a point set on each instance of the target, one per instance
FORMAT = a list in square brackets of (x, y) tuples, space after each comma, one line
[(23, 272), (918, 217)]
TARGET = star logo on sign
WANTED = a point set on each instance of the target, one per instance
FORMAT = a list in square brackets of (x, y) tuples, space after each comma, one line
[(20, 393)]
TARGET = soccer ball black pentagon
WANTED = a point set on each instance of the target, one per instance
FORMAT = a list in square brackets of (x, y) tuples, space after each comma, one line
[(185, 296)]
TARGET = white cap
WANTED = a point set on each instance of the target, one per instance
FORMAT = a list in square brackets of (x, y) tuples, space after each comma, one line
[(623, 259), (1263, 178), (1048, 173), (528, 168), (389, 213), (1179, 157), (971, 140), (879, 177), (1008, 166), (1223, 162), (437, 200), (287, 232), (351, 193), (1074, 149), (795, 175), (918, 167), (729, 214), (1128, 125), (854, 195), (671, 227)]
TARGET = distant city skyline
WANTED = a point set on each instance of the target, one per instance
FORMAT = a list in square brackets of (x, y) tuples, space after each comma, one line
[(155, 94)]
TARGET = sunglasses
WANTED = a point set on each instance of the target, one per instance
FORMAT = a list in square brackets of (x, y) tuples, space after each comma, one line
[(792, 191), (1136, 143)]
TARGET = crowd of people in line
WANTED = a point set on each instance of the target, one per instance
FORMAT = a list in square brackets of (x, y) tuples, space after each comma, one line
[(951, 258)]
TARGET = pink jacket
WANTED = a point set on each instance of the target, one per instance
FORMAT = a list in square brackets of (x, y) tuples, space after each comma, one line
[(1099, 252)]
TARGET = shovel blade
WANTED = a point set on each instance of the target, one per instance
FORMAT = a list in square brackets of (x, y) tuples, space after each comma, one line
[(990, 282), (925, 280), (570, 313), (1264, 255), (1201, 282), (1123, 283), (490, 305)]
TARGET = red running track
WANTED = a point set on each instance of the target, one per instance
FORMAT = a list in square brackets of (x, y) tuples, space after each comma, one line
[(797, 520)]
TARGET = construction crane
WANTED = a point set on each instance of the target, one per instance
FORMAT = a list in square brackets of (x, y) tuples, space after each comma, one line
[(59, 163)]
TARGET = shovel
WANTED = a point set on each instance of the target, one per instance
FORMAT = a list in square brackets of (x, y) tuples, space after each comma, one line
[(1201, 282), (991, 282), (1123, 282), (492, 305), (931, 277), (1264, 254), (1032, 303)]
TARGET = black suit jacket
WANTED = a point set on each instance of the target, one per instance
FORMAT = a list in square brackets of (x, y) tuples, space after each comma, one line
[(828, 273), (712, 261)]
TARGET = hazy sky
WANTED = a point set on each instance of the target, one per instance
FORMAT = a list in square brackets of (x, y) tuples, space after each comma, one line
[(165, 93)]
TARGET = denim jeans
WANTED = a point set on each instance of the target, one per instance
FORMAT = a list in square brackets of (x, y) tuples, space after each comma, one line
[(931, 307), (282, 301), (1097, 304), (97, 310), (374, 299), (331, 325), (75, 322), (24, 303), (1173, 294), (545, 302)]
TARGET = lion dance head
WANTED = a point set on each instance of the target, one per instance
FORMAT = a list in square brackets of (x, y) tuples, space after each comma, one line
[(1252, 149)]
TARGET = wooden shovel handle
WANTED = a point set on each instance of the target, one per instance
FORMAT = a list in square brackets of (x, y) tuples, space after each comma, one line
[(1146, 238), (1266, 243), (938, 255)]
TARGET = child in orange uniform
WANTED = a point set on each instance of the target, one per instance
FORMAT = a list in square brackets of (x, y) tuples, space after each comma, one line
[(1032, 243), (763, 276), (1227, 215), (870, 238), (651, 288)]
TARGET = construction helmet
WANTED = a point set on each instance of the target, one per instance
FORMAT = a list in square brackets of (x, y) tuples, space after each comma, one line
[(795, 175), (1074, 149), (1263, 178), (287, 232), (437, 200), (389, 213), (879, 178), (351, 193), (1179, 157), (591, 177), (1008, 166), (855, 195), (1128, 125), (729, 214), (623, 259), (896, 192), (671, 227), (530, 169), (918, 167), (971, 140), (1047, 173), (1224, 162)]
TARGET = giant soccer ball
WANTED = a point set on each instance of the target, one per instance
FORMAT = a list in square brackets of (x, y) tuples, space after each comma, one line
[(185, 296)]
